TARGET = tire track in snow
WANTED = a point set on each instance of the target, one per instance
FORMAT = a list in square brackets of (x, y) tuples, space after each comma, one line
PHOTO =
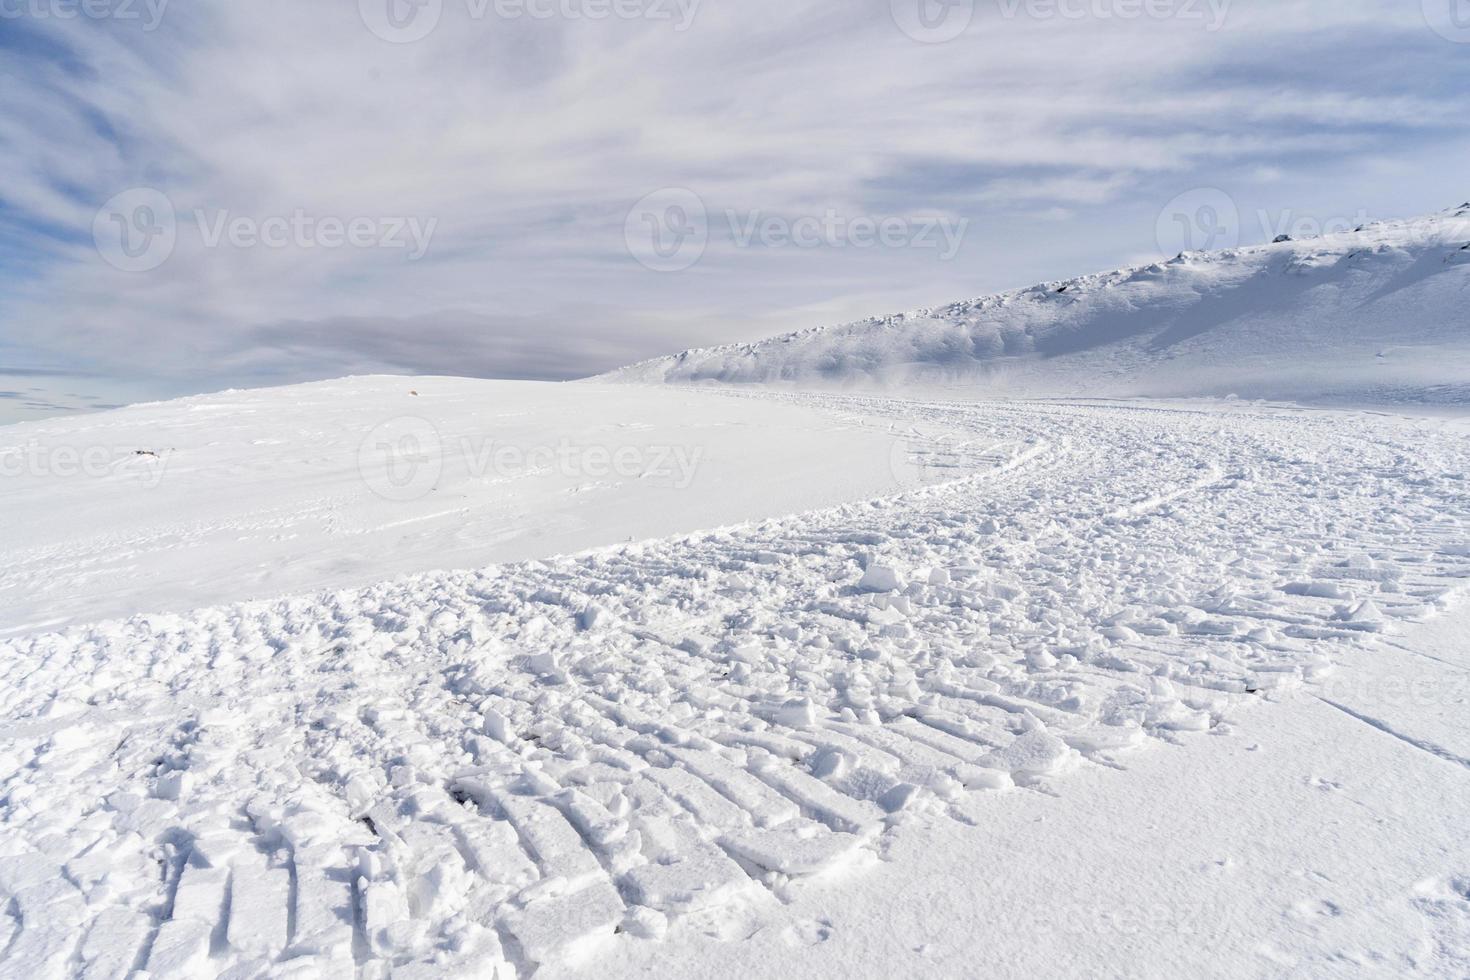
[(1423, 745), (739, 713)]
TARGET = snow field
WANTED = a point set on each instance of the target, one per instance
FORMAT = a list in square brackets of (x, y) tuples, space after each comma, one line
[(259, 494), (502, 771)]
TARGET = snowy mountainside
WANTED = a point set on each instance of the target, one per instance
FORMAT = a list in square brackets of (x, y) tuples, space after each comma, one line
[(1376, 314)]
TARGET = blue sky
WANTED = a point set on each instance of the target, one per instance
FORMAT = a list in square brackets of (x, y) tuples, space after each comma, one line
[(493, 168)]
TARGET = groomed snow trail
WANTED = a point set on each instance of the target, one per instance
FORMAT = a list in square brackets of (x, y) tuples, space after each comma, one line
[(482, 773)]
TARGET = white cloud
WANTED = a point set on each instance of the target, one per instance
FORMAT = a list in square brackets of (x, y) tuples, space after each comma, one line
[(527, 141)]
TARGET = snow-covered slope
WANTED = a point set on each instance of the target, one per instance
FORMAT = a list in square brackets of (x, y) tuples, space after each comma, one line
[(255, 494), (1377, 314), (1145, 694)]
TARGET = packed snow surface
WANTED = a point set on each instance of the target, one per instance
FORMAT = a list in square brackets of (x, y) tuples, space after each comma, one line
[(1107, 689), (258, 494), (1374, 315)]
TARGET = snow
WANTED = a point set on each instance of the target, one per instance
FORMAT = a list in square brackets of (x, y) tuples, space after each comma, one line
[(883, 736), (257, 494), (880, 686), (880, 578), (1366, 317), (1302, 844)]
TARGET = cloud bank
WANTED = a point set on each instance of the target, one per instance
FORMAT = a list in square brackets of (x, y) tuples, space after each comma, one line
[(218, 194)]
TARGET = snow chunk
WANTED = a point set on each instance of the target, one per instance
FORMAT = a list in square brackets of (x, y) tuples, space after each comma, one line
[(595, 617), (1365, 616), (568, 927), (1036, 753), (881, 578), (786, 853), (173, 785), (797, 713)]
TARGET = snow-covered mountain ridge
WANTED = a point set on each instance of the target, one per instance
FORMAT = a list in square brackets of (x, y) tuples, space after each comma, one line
[(1378, 313)]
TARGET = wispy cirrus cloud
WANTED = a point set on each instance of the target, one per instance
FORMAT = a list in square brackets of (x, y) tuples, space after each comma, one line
[(523, 142)]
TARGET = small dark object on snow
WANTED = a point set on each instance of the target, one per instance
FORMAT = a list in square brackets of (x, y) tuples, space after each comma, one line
[(1280, 238), (1064, 289), (414, 394), (145, 452)]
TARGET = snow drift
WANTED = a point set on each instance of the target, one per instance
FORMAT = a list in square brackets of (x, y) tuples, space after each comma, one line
[(1376, 314)]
